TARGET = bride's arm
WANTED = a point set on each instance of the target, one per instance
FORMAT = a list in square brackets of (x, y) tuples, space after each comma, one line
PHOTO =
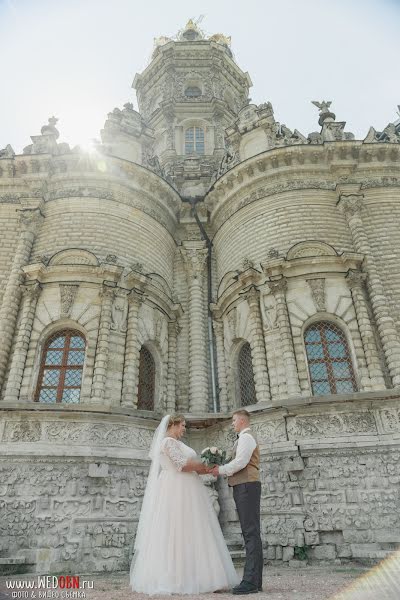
[(182, 463), (198, 467)]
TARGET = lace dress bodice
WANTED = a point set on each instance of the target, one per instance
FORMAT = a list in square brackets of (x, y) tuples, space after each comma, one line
[(175, 454)]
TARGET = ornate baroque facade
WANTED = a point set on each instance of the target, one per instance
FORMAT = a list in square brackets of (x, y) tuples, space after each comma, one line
[(203, 257)]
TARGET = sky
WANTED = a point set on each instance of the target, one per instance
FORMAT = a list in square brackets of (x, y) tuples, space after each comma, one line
[(76, 59)]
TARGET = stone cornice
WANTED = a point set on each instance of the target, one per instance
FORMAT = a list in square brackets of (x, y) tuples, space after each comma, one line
[(71, 273), (97, 275), (303, 167), (77, 175), (314, 266)]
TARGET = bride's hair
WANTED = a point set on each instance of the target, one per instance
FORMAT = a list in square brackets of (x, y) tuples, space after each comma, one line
[(175, 420)]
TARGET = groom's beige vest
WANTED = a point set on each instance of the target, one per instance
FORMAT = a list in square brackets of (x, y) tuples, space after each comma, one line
[(251, 471)]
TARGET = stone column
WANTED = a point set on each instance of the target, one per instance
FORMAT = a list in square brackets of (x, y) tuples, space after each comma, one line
[(30, 220), (103, 340), (132, 353), (221, 361), (173, 329), (278, 289), (257, 345), (351, 206), (195, 257), (356, 282), (30, 295)]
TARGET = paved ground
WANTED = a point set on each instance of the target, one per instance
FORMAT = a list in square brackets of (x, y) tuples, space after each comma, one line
[(280, 583)]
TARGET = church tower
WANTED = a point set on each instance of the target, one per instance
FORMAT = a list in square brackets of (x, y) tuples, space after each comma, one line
[(191, 91)]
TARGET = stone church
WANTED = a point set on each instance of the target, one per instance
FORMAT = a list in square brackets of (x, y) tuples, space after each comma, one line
[(201, 258)]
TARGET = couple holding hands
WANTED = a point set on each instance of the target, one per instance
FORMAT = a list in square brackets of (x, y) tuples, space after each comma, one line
[(179, 546)]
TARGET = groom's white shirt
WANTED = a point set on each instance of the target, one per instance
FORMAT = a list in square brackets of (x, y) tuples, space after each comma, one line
[(245, 448)]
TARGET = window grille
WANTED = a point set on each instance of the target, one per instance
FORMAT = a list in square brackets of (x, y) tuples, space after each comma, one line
[(246, 376), (60, 375), (147, 380), (194, 140), (329, 361)]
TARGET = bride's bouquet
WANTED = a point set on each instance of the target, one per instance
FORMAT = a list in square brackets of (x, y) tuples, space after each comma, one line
[(213, 456)]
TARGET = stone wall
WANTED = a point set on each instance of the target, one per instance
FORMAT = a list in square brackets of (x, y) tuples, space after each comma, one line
[(71, 489), (330, 479), (72, 484)]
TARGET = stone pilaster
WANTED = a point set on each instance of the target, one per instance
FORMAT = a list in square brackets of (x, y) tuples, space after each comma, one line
[(351, 206), (132, 353), (103, 340), (356, 282), (173, 329), (278, 289), (30, 295), (221, 361), (257, 345), (30, 220), (195, 256)]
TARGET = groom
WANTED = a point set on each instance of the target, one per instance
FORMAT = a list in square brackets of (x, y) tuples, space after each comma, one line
[(243, 476)]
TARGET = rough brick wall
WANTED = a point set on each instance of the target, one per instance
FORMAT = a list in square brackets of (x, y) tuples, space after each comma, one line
[(104, 227), (279, 222), (381, 218), (9, 229)]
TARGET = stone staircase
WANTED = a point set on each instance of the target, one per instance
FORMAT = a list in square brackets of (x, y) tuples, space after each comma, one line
[(237, 552)]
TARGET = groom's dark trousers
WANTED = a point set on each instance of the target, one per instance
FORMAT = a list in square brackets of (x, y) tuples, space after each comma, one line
[(247, 498)]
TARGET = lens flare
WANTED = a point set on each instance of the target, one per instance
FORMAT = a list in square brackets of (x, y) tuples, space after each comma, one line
[(382, 582)]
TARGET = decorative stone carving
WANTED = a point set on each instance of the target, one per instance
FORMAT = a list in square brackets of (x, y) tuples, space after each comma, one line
[(269, 311), (317, 287), (68, 295), (304, 249), (119, 311), (247, 263), (7, 152), (327, 425), (74, 257)]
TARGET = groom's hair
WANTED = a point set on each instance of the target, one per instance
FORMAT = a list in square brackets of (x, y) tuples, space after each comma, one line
[(242, 413)]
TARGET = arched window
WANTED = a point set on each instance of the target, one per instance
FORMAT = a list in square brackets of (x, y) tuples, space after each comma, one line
[(247, 388), (194, 140), (147, 380), (60, 375), (329, 361), (192, 91)]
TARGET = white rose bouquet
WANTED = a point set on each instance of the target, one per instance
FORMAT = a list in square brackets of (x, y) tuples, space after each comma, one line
[(213, 456)]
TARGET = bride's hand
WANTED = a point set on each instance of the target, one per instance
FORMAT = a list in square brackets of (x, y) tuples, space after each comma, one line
[(203, 469)]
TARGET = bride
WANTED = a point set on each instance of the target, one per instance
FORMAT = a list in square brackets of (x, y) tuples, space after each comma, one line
[(179, 546)]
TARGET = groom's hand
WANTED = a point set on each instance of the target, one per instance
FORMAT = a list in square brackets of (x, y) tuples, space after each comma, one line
[(215, 471)]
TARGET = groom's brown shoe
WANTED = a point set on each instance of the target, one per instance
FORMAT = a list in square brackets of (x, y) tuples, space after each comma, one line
[(245, 587)]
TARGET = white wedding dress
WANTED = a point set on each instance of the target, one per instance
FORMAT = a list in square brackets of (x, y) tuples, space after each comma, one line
[(182, 550)]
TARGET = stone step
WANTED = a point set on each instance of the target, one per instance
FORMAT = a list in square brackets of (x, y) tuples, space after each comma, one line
[(14, 565), (12, 561)]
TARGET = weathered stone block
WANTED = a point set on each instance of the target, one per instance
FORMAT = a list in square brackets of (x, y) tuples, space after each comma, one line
[(325, 552), (311, 538), (287, 553)]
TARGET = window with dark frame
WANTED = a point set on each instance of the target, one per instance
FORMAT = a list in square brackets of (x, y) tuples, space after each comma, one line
[(194, 140), (147, 380), (329, 361), (60, 375), (247, 387)]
